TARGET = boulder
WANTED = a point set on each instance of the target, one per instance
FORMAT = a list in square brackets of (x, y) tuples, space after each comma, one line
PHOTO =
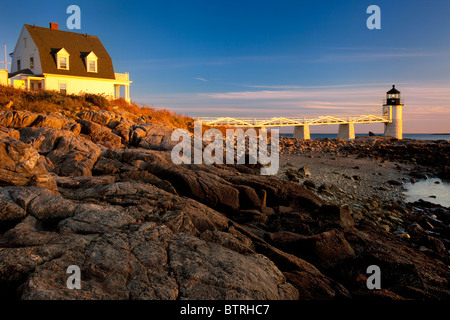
[(43, 139), (152, 136), (10, 211), (20, 166), (101, 117), (74, 156), (29, 232), (278, 192), (55, 120), (100, 134), (92, 218), (206, 270), (9, 132), (339, 214), (326, 249), (202, 186), (17, 119)]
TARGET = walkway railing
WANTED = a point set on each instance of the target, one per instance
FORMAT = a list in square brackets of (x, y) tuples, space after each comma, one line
[(290, 121)]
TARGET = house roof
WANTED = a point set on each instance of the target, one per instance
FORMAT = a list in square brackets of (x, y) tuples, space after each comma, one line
[(23, 71), (49, 41)]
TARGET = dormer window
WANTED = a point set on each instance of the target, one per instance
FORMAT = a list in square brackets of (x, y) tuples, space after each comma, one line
[(91, 62), (62, 63), (62, 59)]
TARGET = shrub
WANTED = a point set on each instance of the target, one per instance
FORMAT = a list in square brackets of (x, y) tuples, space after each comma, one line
[(53, 101), (98, 100)]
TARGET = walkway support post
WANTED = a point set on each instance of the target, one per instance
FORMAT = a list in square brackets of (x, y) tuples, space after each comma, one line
[(346, 131), (302, 132)]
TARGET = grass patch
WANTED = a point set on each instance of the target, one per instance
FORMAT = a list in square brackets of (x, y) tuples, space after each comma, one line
[(44, 101)]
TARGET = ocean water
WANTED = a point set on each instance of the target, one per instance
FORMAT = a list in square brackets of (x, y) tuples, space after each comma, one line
[(417, 136), (432, 190)]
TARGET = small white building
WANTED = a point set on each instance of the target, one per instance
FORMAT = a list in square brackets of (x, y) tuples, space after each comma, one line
[(3, 77), (69, 62)]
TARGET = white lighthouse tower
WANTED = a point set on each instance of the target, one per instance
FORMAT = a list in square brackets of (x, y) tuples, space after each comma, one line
[(392, 109)]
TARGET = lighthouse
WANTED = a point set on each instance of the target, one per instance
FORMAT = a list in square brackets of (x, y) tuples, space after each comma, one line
[(392, 111)]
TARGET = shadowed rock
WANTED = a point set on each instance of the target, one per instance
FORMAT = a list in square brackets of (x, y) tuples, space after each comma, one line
[(20, 166), (74, 156)]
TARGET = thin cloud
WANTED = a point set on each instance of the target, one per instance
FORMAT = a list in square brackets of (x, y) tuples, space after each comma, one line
[(201, 79), (371, 56), (353, 85)]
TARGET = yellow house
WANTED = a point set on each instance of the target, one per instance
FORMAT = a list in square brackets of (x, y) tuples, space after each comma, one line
[(69, 62)]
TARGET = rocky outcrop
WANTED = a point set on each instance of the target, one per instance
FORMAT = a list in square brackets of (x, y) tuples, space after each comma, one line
[(100, 134), (20, 165), (74, 156), (140, 227), (9, 132), (44, 140), (152, 136)]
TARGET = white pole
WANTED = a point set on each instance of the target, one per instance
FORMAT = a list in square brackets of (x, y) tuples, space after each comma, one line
[(6, 60)]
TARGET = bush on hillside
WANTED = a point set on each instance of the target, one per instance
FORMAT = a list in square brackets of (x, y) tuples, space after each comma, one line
[(52, 101)]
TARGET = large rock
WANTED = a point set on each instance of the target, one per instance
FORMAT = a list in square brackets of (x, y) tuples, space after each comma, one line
[(43, 139), (92, 218), (152, 136), (341, 215), (17, 119), (279, 192), (102, 117), (9, 132), (74, 156), (326, 249), (20, 166), (100, 134), (154, 263), (10, 211), (207, 270), (404, 271), (17, 202), (57, 121), (202, 186)]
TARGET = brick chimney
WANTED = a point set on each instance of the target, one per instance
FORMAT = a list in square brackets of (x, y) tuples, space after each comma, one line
[(53, 26)]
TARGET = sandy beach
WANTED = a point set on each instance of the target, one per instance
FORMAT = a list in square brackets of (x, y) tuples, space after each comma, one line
[(355, 179)]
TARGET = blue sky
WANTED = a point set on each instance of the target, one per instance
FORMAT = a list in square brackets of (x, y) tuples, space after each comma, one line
[(268, 58)]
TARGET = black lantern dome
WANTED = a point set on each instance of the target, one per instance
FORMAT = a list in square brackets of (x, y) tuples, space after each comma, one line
[(393, 97)]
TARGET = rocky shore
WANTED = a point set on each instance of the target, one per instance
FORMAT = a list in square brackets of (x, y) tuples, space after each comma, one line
[(98, 190)]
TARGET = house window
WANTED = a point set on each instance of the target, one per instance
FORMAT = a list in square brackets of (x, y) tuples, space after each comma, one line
[(63, 87), (62, 61), (18, 65), (92, 66), (31, 62), (91, 62)]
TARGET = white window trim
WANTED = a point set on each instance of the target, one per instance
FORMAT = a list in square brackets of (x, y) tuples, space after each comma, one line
[(91, 57), (59, 86), (62, 54), (88, 65)]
